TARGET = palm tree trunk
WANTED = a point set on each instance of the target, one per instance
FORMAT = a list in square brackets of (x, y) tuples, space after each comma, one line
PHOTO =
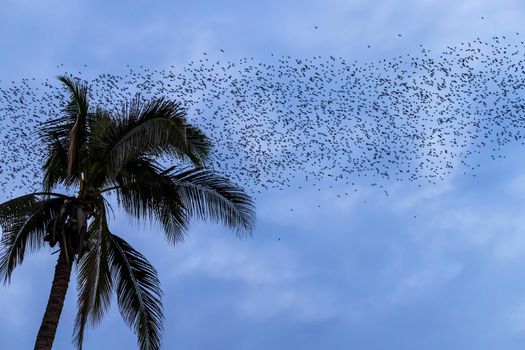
[(48, 328)]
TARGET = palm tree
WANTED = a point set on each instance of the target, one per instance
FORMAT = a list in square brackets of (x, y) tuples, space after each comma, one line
[(95, 156)]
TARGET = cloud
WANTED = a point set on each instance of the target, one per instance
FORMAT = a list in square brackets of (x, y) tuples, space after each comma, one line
[(214, 257), (269, 276), (424, 281), (299, 303), (18, 300)]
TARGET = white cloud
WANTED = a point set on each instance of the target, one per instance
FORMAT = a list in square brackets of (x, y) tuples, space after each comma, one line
[(216, 258), (270, 281), (298, 303), (17, 299), (515, 318), (424, 280)]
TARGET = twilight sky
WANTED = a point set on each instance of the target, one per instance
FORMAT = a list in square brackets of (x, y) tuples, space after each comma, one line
[(432, 267)]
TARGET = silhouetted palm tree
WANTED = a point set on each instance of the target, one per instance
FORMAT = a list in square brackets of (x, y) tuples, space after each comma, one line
[(95, 154)]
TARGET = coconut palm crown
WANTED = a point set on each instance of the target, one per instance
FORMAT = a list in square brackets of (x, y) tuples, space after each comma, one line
[(100, 156)]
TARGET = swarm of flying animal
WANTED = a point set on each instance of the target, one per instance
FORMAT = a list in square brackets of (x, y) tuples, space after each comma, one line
[(318, 120)]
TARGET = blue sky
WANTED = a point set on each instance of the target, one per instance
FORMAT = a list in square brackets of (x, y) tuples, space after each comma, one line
[(432, 267)]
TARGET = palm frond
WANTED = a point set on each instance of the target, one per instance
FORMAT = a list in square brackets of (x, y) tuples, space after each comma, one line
[(71, 129), (78, 102), (154, 128), (77, 105), (94, 279), (210, 196), (55, 165), (74, 140), (17, 207), (199, 145), (138, 292), (23, 206), (145, 193), (24, 228)]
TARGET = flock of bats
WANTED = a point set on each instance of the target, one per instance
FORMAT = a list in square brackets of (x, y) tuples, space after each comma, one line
[(325, 121)]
